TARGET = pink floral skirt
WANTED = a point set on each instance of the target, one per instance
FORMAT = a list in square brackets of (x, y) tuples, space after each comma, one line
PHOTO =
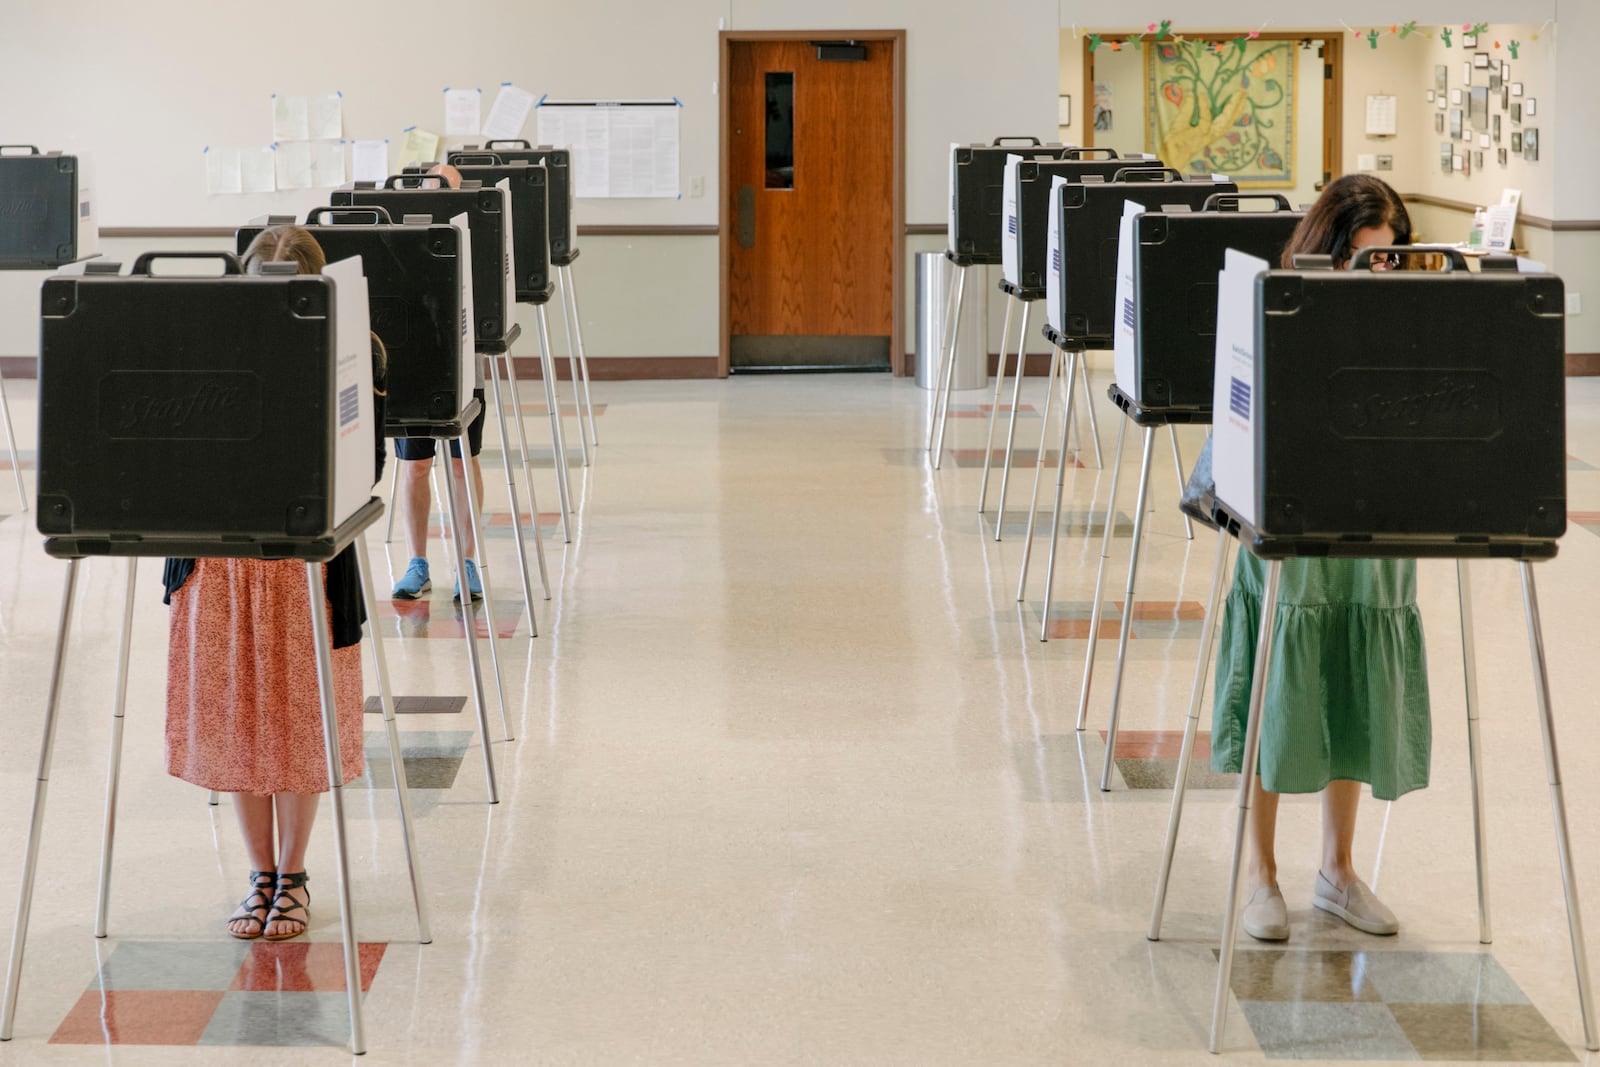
[(244, 713)]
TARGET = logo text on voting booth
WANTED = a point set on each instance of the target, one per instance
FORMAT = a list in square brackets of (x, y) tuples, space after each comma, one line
[(181, 405)]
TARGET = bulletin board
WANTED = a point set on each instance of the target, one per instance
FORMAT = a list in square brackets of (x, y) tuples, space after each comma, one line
[(620, 149)]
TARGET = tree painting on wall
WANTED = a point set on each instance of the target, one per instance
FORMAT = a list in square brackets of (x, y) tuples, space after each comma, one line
[(1224, 107)]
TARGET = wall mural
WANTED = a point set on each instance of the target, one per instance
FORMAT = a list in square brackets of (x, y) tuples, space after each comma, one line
[(1224, 107)]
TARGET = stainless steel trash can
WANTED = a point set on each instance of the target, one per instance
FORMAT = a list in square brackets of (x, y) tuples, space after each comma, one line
[(972, 358)]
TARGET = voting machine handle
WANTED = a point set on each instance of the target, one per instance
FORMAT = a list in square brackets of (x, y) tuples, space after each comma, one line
[(1090, 153), (230, 262), (400, 181), (476, 159), (1147, 174), (1453, 257), (517, 142), (32, 149), (1016, 140), (1231, 201), (373, 213)]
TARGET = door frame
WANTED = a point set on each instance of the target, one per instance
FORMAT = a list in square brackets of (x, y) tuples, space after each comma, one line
[(897, 42), (1332, 91)]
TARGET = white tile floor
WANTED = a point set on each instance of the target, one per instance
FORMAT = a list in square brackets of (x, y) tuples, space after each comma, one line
[(793, 778)]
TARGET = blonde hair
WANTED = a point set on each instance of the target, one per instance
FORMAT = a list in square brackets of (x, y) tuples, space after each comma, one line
[(285, 244)]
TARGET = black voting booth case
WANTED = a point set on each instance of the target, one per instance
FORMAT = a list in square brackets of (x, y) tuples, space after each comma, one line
[(1028, 202), (977, 194), (557, 163), (1408, 412), (143, 442), (415, 278), (1082, 273), (485, 209), (1176, 259), (530, 221), (47, 213)]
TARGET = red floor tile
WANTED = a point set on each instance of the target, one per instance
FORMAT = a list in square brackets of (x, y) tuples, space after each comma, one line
[(1181, 610), (1079, 629), (303, 967), (138, 1017), (1158, 744), (1583, 516), (503, 518), (427, 618)]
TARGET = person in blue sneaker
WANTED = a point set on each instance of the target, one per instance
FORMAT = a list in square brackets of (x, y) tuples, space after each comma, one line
[(416, 496)]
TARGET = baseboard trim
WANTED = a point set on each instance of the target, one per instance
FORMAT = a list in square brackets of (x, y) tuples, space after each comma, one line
[(1583, 364), (625, 368)]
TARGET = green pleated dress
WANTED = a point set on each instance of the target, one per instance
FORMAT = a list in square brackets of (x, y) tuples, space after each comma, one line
[(1347, 685)]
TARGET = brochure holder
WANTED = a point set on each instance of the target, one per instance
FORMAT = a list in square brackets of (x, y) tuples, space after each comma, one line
[(563, 240), (1392, 398), (145, 464), (1165, 350), (47, 209)]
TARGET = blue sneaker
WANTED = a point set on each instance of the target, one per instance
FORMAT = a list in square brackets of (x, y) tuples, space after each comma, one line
[(414, 582), (475, 586)]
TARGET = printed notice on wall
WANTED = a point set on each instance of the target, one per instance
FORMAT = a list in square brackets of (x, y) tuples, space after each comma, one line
[(618, 149)]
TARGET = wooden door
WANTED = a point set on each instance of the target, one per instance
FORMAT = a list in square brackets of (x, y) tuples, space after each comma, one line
[(812, 192)]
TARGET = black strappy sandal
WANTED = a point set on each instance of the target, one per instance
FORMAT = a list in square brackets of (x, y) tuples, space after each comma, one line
[(281, 913), (261, 883)]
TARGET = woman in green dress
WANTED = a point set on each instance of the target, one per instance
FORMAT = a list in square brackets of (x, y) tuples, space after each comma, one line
[(1347, 692)]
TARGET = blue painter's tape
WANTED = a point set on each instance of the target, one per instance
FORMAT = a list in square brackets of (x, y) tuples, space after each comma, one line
[(542, 99)]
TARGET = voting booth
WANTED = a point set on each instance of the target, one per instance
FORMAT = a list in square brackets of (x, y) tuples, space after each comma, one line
[(1085, 220), (233, 417), (488, 212), (47, 209), (419, 298), (1024, 238), (1343, 429), (557, 163), (977, 194), (528, 184)]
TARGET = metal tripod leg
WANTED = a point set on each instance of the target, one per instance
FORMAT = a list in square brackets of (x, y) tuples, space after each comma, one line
[(1191, 727), (1011, 424), (1056, 359), (394, 485), (1127, 607), (1177, 465), (330, 737), (402, 790), (569, 298), (1061, 480), (1100, 575), (1480, 817), (1247, 777), (1094, 423), (527, 465), (994, 408), (474, 512), (41, 786), (1558, 808), (516, 507), (114, 763), (469, 623), (552, 399), (11, 445), (935, 393), (949, 369)]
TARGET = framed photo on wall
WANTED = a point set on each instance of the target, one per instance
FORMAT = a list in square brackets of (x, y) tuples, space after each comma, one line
[(1505, 97), (1505, 71), (1441, 78), (1438, 122), (1469, 40), (1494, 129), (1494, 81), (1530, 107), (1500, 155), (1516, 113), (1431, 95), (1455, 123), (1456, 96), (1481, 60), (1516, 88), (1477, 160), (1530, 145), (1516, 142), (1447, 153)]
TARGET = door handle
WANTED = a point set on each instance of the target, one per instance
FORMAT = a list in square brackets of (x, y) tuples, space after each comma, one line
[(744, 221)]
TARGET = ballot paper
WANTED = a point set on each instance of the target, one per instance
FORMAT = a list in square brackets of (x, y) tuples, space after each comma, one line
[(355, 421), (1235, 406), (258, 170), (369, 161), (508, 114), (462, 111), (290, 118), (1124, 350), (222, 171)]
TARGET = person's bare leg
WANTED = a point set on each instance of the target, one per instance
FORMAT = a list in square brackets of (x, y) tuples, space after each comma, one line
[(255, 825), (297, 812), (1263, 831), (1339, 803), (468, 544), (416, 499)]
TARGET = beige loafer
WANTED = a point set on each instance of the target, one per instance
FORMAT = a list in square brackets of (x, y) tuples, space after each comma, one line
[(1266, 916), (1356, 904)]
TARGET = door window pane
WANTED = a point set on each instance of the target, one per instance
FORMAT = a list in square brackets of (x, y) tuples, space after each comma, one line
[(780, 130)]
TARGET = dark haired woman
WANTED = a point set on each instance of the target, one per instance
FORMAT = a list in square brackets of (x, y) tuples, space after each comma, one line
[(244, 711), (1347, 693)]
